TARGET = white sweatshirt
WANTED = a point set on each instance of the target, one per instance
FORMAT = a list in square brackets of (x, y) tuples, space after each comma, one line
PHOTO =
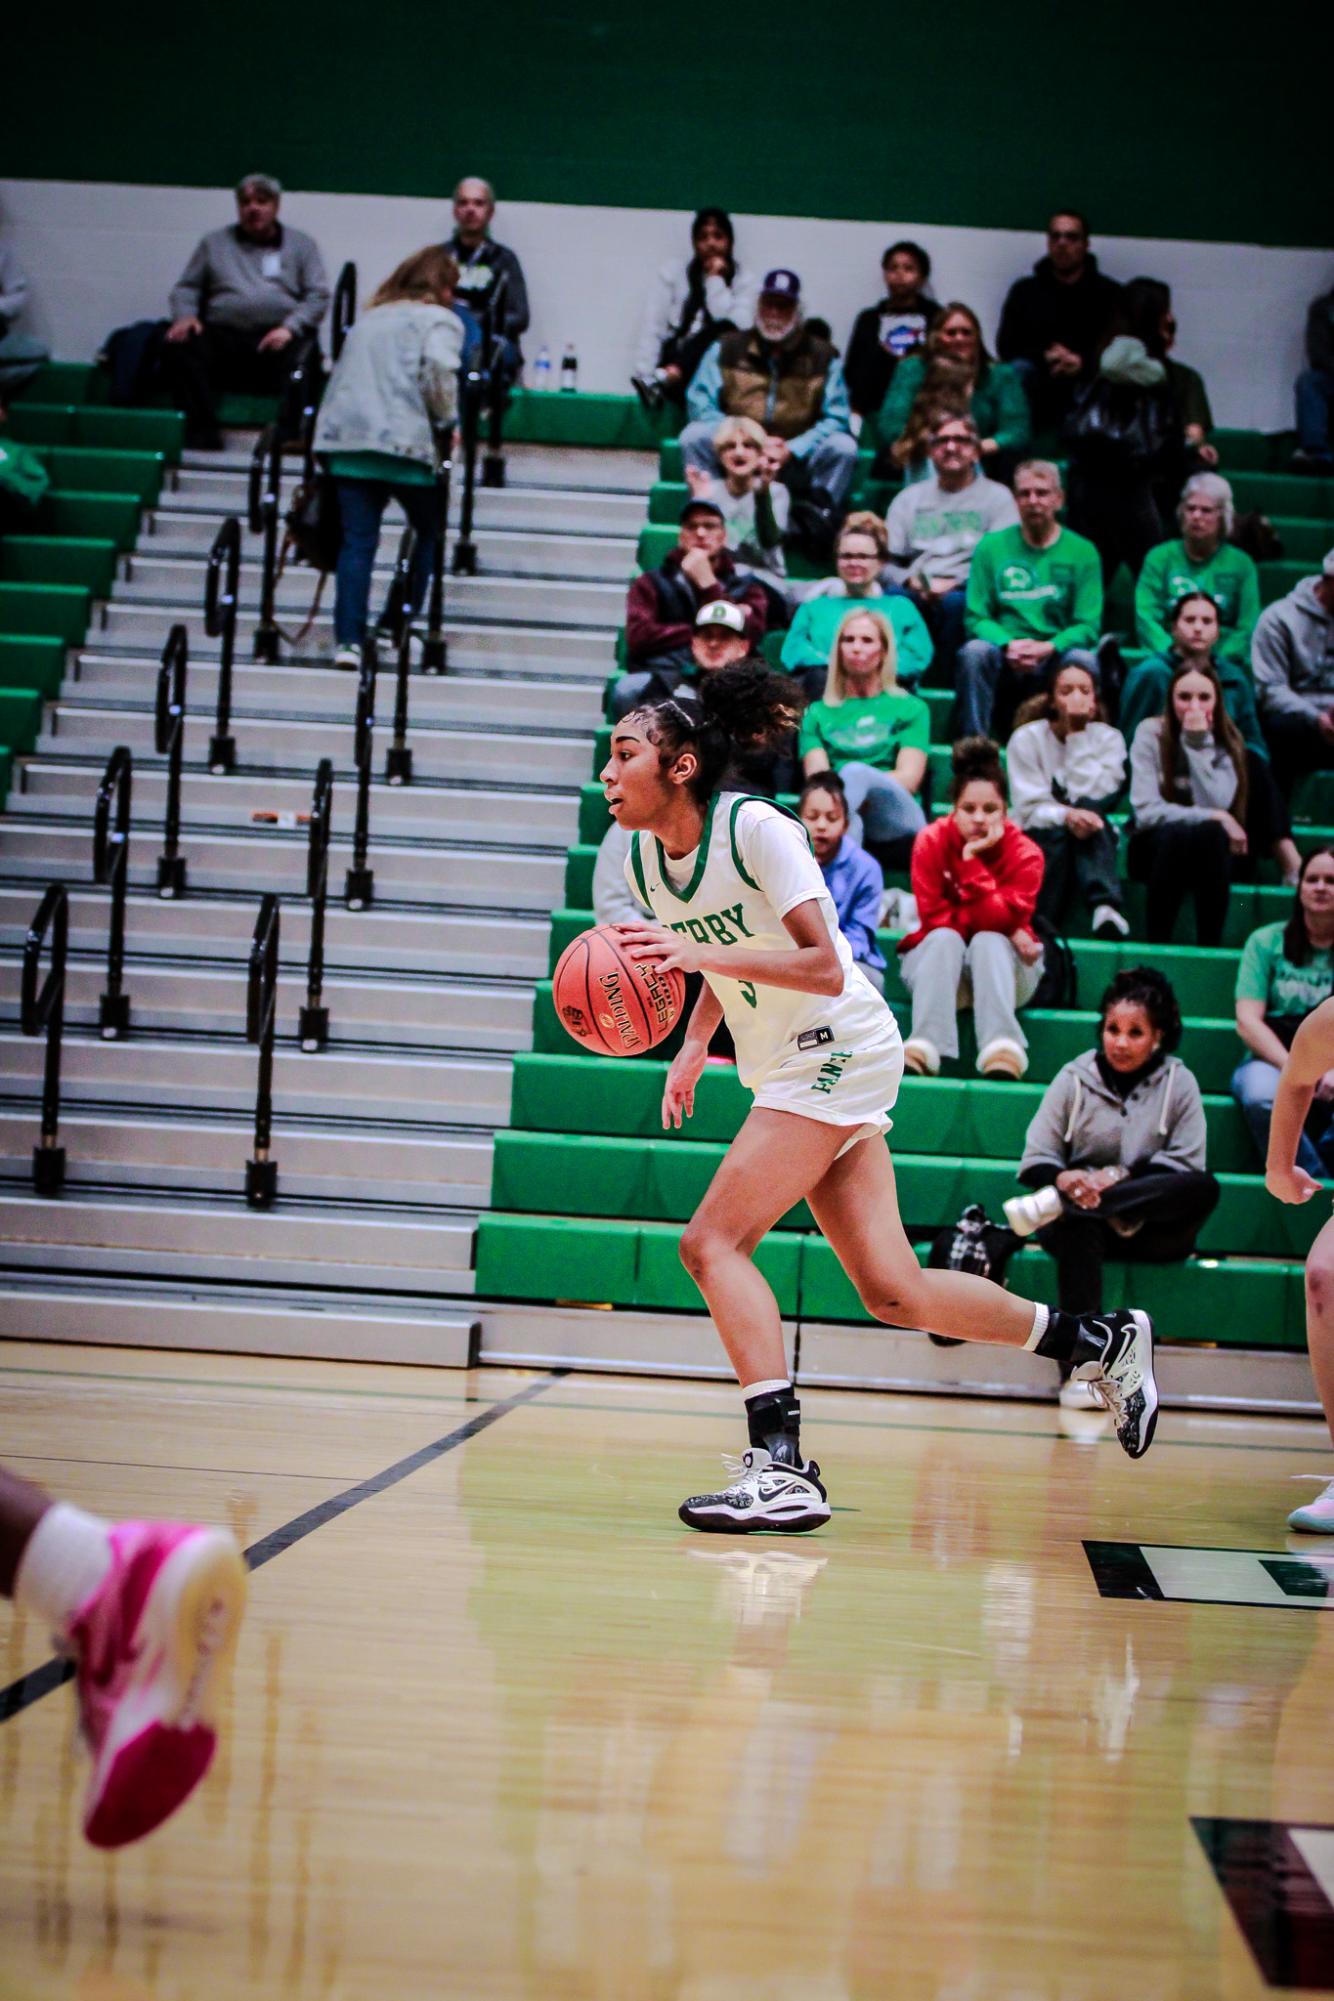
[(1047, 774)]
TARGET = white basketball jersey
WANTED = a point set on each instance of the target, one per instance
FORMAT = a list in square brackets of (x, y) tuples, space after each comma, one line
[(753, 865)]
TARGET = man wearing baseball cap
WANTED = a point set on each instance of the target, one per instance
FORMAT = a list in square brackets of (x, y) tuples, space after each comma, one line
[(695, 613), (1292, 658), (786, 377)]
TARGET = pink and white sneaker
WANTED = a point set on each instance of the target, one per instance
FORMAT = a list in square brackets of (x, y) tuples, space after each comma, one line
[(1317, 1517), (149, 1643)]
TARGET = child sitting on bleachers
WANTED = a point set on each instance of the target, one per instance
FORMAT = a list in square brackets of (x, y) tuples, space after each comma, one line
[(1067, 766), (976, 880), (854, 881), (1116, 1149), (754, 505), (1286, 970), (1206, 808)]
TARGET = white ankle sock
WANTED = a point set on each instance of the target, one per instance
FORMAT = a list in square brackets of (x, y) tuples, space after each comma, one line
[(766, 1389), (1041, 1316), (67, 1556)]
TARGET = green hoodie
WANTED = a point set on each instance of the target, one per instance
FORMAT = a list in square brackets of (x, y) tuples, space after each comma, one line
[(1017, 592), (998, 405), (1229, 577), (22, 472)]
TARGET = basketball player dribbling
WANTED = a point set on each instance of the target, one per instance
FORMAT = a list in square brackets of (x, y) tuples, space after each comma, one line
[(1310, 1058), (738, 897)]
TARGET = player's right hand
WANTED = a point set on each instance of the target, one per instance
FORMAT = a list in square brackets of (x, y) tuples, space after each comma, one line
[(1290, 1184), (678, 1093)]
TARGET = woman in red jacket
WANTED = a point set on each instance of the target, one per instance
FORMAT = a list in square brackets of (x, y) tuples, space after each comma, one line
[(976, 879)]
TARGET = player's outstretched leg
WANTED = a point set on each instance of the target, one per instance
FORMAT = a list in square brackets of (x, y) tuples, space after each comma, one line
[(856, 1206), (149, 1611), (1316, 1517)]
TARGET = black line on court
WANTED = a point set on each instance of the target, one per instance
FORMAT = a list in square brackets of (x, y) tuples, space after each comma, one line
[(30, 1688)]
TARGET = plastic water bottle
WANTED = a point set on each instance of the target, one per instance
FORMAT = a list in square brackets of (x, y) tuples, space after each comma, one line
[(542, 369), (569, 368)]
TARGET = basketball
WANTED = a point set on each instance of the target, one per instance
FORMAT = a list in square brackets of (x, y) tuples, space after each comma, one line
[(611, 1003)]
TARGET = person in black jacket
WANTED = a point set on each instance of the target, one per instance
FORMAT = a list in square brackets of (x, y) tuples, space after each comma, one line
[(1054, 323), (488, 269), (1315, 392), (895, 326)]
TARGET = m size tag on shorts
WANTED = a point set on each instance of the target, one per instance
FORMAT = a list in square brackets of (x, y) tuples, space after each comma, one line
[(814, 1038)]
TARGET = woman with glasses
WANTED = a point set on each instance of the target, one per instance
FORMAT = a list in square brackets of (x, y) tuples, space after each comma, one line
[(859, 555)]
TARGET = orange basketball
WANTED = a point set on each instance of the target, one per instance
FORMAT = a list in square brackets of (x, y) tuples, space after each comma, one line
[(611, 1003)]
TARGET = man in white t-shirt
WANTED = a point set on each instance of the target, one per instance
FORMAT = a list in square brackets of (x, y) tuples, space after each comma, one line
[(935, 524)]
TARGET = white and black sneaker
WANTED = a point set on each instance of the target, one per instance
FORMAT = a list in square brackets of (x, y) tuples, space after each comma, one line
[(763, 1496), (1121, 1376)]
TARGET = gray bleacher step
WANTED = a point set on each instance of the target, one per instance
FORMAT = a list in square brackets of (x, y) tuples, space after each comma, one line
[(175, 999), (522, 550), (160, 580), (515, 818), (328, 692), (235, 1319), (264, 744), (294, 1243), (560, 469), (144, 1071), (360, 941), (178, 1150), (459, 876), (207, 497), (529, 647)]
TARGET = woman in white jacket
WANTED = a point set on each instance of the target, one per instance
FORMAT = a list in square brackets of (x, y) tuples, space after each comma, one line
[(691, 304), (1067, 766)]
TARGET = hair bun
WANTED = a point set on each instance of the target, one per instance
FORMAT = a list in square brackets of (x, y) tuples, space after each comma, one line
[(977, 757)]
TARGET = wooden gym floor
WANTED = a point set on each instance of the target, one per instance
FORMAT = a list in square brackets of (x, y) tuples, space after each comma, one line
[(500, 1727)]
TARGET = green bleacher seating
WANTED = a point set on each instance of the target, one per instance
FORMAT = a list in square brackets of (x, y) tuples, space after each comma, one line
[(6, 772), (88, 471), (59, 559), (111, 517), (62, 609), (28, 660), (20, 717), (98, 429)]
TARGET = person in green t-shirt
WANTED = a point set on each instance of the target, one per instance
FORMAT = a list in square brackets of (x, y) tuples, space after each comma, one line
[(1285, 971), (1033, 605), (1202, 560), (871, 733), (859, 553)]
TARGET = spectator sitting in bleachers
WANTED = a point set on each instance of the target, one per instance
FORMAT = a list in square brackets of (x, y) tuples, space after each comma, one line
[(21, 354), (1286, 969), (1125, 438), (1205, 808), (886, 333), (859, 556), (788, 378), (1186, 384), (1053, 323), (933, 527), (1202, 559), (1034, 602), (1067, 769), (976, 879), (488, 268), (663, 607), (955, 363), (1192, 634), (868, 730), (1292, 655), (247, 304), (1314, 392), (394, 387), (1116, 1150), (693, 303), (852, 878), (754, 507)]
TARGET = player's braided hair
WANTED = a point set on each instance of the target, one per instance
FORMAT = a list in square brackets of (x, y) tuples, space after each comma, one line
[(742, 706), (1146, 987)]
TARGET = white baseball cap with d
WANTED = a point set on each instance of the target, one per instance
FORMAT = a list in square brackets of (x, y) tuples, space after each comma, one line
[(722, 612)]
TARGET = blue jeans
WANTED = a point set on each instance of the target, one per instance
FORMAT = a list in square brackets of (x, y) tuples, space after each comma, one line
[(1254, 1083), (944, 619), (880, 808), (984, 685), (361, 505), (1314, 395)]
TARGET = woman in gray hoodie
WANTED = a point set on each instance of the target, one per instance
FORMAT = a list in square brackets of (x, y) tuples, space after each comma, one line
[(1115, 1151)]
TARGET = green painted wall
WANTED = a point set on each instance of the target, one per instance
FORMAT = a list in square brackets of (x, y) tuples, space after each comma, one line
[(1160, 119)]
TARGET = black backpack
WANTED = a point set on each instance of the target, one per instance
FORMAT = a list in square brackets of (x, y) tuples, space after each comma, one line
[(973, 1244), (1059, 985)]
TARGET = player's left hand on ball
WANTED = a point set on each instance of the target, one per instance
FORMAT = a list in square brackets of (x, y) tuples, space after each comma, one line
[(659, 947)]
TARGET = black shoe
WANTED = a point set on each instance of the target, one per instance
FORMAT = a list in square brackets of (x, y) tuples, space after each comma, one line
[(649, 391), (204, 441), (1114, 1354)]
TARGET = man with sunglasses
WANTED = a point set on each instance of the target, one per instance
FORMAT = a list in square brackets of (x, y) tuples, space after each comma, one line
[(1053, 324)]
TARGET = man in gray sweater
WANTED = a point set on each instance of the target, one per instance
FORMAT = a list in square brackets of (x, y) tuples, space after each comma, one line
[(1292, 658), (246, 307), (935, 524)]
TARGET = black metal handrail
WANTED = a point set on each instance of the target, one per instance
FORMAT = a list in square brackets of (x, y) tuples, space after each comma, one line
[(344, 307), (313, 1029), (111, 869), (169, 742), (398, 605), (359, 886), (222, 585), (471, 386), (265, 512), (398, 757), (43, 1009), (435, 647), (261, 1022), (493, 339)]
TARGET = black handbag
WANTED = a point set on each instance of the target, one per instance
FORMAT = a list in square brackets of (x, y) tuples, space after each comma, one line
[(1120, 427), (314, 527)]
